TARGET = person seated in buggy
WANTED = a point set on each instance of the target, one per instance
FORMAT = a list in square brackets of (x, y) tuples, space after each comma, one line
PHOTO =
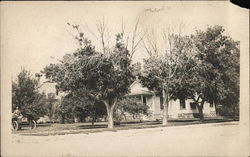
[(16, 119), (17, 115)]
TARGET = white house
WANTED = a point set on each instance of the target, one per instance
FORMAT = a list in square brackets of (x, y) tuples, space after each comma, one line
[(175, 109), (49, 89), (147, 97)]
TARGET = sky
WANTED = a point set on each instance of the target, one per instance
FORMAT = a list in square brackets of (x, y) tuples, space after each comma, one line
[(35, 34)]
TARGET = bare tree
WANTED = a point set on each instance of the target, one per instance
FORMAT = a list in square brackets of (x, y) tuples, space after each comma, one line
[(167, 54), (102, 30), (132, 38), (137, 37)]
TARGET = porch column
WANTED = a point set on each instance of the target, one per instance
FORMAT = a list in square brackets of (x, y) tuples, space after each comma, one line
[(142, 99)]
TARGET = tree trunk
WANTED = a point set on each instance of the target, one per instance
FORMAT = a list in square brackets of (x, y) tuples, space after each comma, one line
[(201, 114), (165, 107), (93, 118), (93, 121), (110, 112), (110, 118), (63, 118), (200, 109), (124, 115)]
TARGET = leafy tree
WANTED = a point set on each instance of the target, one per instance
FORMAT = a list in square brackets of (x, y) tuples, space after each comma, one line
[(206, 70), (216, 73), (181, 82), (228, 111), (26, 96), (104, 77), (97, 110), (132, 106), (160, 70), (78, 105)]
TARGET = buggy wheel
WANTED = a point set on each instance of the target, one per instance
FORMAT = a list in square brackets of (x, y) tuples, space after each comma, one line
[(33, 124), (15, 125)]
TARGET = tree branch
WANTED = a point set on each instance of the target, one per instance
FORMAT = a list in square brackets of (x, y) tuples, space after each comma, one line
[(101, 27)]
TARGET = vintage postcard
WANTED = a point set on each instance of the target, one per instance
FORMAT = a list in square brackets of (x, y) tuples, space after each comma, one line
[(124, 78)]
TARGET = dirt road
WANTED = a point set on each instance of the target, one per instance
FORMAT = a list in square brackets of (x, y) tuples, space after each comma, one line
[(194, 140)]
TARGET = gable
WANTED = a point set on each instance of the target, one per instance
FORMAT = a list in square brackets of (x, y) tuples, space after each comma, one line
[(136, 88)]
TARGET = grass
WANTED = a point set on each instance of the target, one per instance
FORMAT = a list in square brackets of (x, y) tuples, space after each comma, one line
[(75, 128)]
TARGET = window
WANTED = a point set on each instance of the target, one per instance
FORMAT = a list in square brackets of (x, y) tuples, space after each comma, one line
[(144, 100), (193, 105), (137, 97), (211, 104), (161, 103), (182, 103)]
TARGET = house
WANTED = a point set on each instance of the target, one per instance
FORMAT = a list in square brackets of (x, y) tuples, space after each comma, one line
[(187, 110), (52, 96), (176, 111), (49, 89)]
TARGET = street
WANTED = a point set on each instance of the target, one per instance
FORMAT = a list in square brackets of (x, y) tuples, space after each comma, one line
[(220, 139)]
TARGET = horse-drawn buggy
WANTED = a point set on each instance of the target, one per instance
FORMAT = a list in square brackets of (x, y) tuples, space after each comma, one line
[(19, 120)]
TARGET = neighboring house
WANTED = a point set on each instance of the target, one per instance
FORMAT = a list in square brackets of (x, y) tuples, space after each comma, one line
[(175, 109), (54, 98), (49, 89)]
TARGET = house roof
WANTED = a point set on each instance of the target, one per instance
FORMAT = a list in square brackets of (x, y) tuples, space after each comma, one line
[(138, 89)]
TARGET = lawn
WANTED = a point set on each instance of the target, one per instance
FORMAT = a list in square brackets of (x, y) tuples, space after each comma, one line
[(74, 128)]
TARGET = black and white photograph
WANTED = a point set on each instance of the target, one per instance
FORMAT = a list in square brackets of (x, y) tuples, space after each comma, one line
[(124, 78)]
